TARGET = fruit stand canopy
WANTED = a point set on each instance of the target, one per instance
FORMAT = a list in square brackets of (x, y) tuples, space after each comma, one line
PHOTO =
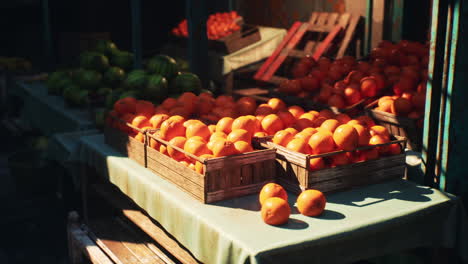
[(357, 224)]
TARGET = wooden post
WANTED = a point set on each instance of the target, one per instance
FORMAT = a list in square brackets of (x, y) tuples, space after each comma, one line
[(47, 36), (434, 90), (369, 15), (136, 32), (197, 42)]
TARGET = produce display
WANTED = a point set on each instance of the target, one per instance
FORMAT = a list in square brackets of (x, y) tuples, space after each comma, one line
[(14, 64), (218, 25), (276, 209), (407, 76), (344, 82)]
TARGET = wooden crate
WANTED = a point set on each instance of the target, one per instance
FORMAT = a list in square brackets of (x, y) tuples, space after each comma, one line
[(399, 126), (124, 143), (324, 34), (292, 169), (223, 178)]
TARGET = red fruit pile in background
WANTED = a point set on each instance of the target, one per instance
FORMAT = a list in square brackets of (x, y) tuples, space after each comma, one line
[(400, 67), (218, 25)]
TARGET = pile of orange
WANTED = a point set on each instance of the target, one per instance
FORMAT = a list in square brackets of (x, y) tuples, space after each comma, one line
[(401, 67), (275, 207), (323, 132)]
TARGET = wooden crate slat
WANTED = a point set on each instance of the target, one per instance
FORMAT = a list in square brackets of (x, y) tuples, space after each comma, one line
[(280, 59), (351, 29), (325, 45), (259, 74), (344, 19), (322, 19), (313, 18)]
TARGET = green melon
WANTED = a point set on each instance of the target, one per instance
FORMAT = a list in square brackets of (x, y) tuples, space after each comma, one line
[(94, 61), (122, 59), (114, 76), (187, 82), (87, 79), (75, 97), (106, 47), (136, 79), (111, 98), (162, 65), (156, 87), (57, 81)]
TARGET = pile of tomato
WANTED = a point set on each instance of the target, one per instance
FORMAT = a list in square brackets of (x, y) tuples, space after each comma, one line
[(218, 25)]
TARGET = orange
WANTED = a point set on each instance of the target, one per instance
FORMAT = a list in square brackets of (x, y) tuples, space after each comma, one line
[(394, 149), (223, 148), (401, 106), (271, 124), (275, 211), (173, 127), (337, 101), (218, 135), (305, 134), (145, 108), (192, 121), (302, 123), (244, 122), (308, 116), (239, 135), (157, 119), (211, 143), (378, 139), (243, 147), (363, 134), (163, 150), (264, 109), (272, 190), (314, 113), (419, 101), (298, 145), (260, 134), (343, 118), (125, 105), (355, 122), (386, 105), (212, 128), (370, 154), (379, 130), (277, 104), (178, 142), (140, 137), (330, 125), (169, 103), (191, 166), (196, 147), (287, 118), (321, 142), (224, 100), (224, 125), (366, 121), (346, 137), (140, 121), (282, 137), (316, 164), (246, 106), (311, 203), (292, 130), (340, 159), (198, 129), (153, 143), (328, 114), (185, 163), (196, 138), (296, 111), (319, 121), (199, 166)]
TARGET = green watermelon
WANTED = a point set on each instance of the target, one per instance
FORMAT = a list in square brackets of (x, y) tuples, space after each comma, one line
[(136, 79), (163, 65), (187, 82), (103, 91), (122, 59), (106, 47), (75, 97), (114, 75), (182, 65), (156, 87), (131, 93), (57, 81), (87, 79), (94, 61)]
